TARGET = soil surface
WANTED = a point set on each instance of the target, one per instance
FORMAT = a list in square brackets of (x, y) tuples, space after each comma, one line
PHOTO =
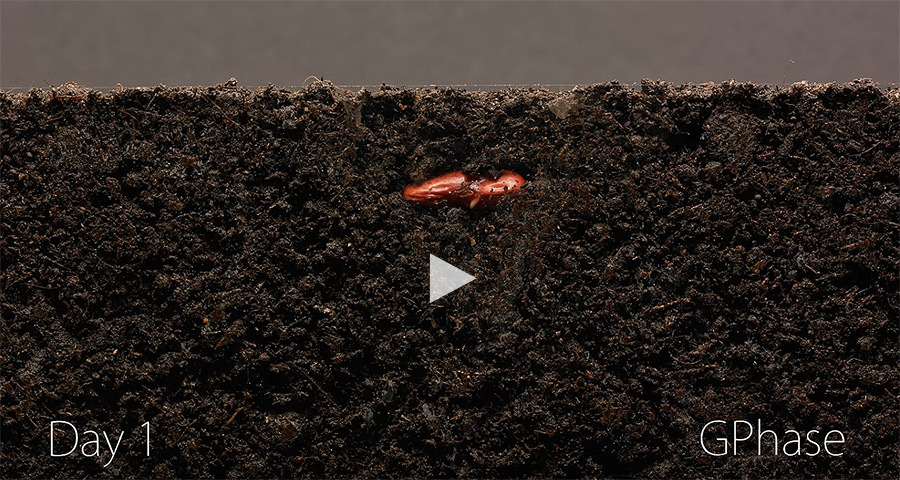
[(235, 274)]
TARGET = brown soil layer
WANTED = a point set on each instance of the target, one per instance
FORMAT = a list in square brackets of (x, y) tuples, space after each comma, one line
[(239, 269)]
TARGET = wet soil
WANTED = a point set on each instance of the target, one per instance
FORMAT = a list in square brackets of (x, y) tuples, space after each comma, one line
[(239, 269)]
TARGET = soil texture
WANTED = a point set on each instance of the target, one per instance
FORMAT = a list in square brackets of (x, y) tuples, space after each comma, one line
[(237, 271)]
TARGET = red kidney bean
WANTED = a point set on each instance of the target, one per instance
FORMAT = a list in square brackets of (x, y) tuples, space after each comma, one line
[(457, 189)]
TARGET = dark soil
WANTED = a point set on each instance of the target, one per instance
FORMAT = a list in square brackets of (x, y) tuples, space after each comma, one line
[(239, 269)]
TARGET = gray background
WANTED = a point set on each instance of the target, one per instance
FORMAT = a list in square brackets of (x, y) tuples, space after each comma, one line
[(103, 44)]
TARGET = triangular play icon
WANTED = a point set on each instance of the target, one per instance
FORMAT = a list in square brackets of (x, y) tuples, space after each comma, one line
[(444, 278)]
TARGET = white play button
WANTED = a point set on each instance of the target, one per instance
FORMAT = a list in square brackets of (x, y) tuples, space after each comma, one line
[(444, 278)]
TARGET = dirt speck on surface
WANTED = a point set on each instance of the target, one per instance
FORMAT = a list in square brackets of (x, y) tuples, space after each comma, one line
[(239, 269)]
